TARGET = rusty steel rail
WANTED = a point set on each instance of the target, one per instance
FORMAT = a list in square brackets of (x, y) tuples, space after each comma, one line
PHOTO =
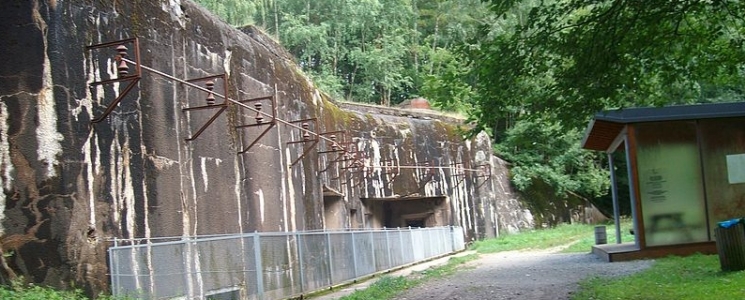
[(284, 122)]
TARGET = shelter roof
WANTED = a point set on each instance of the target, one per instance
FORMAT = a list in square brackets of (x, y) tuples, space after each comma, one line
[(605, 127)]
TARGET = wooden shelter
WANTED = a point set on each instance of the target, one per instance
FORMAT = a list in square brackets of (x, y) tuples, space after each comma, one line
[(686, 168)]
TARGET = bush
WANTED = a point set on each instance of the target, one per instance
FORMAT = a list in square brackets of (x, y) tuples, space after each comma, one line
[(34, 292)]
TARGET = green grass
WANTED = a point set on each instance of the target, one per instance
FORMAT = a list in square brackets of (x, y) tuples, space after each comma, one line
[(692, 277), (534, 239), (586, 241), (388, 286), (580, 236), (385, 288), (34, 292), (22, 291)]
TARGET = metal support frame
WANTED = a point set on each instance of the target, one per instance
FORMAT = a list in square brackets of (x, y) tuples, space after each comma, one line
[(458, 173), (209, 82), (258, 103), (335, 142), (485, 171), (122, 69), (122, 59), (353, 157), (335, 147), (306, 134), (390, 168), (335, 161), (345, 146), (429, 171)]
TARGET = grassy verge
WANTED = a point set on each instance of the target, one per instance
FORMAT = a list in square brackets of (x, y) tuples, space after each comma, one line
[(534, 239), (582, 235), (693, 277), (585, 242), (385, 288), (22, 291), (37, 292), (388, 286)]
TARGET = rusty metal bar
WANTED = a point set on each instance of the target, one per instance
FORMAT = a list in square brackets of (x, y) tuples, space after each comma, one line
[(259, 118), (486, 169), (336, 160), (305, 152), (353, 165), (306, 130), (429, 171), (389, 168), (236, 102), (271, 125), (335, 142), (342, 181), (258, 98), (116, 101), (459, 175), (222, 107), (120, 79), (203, 107), (209, 122), (306, 137), (335, 147), (352, 157), (360, 178), (120, 58), (243, 105)]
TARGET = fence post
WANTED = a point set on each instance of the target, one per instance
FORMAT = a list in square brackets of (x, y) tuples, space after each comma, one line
[(388, 246), (189, 268), (440, 241), (114, 263), (354, 256), (452, 237), (328, 258), (401, 245), (432, 242), (413, 247), (259, 266), (300, 261), (372, 250)]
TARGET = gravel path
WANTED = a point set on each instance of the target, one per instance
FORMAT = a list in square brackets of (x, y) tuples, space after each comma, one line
[(521, 275)]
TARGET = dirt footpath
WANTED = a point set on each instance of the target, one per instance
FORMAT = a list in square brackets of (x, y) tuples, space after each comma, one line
[(520, 275)]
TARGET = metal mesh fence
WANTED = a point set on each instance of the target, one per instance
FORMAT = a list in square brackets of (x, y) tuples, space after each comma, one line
[(269, 265)]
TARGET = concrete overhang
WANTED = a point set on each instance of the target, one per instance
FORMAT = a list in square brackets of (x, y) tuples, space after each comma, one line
[(331, 192), (404, 198)]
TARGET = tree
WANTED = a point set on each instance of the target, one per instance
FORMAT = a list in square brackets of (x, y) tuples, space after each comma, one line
[(572, 58), (375, 51), (236, 12), (535, 76), (550, 168)]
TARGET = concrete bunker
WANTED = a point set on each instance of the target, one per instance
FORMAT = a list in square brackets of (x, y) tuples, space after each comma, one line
[(410, 211), (83, 167)]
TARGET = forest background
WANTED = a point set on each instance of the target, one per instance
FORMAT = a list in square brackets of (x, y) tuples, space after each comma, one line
[(532, 73)]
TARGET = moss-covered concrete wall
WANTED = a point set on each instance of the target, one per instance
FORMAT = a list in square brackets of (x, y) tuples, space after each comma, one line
[(70, 187)]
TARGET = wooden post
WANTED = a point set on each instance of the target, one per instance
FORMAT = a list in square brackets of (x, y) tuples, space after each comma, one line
[(731, 247)]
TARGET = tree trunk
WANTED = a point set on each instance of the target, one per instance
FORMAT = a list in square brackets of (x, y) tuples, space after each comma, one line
[(416, 36), (276, 20)]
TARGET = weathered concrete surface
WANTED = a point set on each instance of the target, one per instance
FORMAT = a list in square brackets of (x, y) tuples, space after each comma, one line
[(70, 187)]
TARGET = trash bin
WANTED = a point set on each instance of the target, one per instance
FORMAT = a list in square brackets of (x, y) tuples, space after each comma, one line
[(730, 236), (601, 237)]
